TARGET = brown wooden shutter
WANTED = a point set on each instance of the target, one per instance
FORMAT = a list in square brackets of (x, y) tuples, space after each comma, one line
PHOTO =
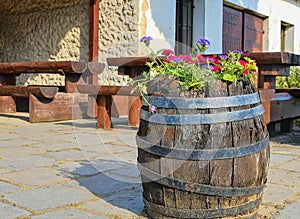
[(253, 33), (232, 29)]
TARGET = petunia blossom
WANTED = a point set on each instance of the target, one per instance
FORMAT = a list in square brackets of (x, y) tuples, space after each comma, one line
[(204, 42), (167, 52), (146, 40), (153, 109)]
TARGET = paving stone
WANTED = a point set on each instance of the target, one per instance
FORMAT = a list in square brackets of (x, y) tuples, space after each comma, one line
[(17, 152), (292, 165), (25, 162), (68, 155), (276, 159), (289, 178), (10, 212), (131, 200), (277, 194), (291, 211), (35, 177), (81, 168), (48, 197), (103, 185), (57, 146), (8, 187), (69, 214), (286, 150), (115, 211)]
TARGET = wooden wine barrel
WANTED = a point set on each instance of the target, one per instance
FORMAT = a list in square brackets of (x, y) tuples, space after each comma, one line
[(205, 156)]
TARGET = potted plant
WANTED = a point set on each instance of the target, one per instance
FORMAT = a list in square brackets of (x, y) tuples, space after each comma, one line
[(203, 148)]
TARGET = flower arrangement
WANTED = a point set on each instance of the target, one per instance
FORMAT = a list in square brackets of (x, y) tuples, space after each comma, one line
[(195, 70)]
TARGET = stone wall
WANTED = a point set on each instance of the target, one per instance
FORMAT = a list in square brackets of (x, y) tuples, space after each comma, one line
[(118, 34), (44, 31)]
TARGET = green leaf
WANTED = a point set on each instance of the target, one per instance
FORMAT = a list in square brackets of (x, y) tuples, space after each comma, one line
[(229, 77)]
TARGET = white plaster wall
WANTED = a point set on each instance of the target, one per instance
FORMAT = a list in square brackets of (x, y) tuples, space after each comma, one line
[(208, 23), (157, 19)]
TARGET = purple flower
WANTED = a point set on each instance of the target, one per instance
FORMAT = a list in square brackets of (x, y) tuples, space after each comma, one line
[(223, 56), (176, 59), (204, 42), (146, 40), (153, 109), (207, 66), (238, 51)]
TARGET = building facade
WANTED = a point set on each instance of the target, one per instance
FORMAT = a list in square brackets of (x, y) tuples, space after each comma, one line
[(39, 30), (253, 25)]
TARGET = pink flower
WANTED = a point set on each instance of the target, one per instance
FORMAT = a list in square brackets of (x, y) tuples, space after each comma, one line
[(187, 58), (167, 52), (243, 63)]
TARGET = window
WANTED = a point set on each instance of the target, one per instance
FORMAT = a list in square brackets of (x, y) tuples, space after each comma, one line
[(184, 26), (241, 31), (287, 37)]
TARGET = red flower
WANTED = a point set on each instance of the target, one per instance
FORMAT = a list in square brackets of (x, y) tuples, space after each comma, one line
[(246, 72), (167, 52)]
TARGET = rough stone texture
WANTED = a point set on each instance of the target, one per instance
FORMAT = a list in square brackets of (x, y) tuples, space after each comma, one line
[(118, 35), (41, 31), (59, 30)]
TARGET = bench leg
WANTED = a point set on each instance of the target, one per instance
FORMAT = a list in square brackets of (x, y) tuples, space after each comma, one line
[(104, 111), (135, 104), (271, 129), (286, 125)]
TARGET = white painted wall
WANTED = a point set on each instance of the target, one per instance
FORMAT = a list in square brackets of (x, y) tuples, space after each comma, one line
[(160, 22), (208, 23), (161, 18)]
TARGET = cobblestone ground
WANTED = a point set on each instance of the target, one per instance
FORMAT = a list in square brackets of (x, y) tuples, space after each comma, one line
[(70, 169)]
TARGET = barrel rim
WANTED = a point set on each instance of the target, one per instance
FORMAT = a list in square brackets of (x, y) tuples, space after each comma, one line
[(202, 103)]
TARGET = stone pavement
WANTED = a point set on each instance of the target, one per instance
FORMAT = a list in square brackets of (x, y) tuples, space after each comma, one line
[(70, 169)]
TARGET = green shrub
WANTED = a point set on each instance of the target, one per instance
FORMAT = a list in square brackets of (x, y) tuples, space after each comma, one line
[(292, 81)]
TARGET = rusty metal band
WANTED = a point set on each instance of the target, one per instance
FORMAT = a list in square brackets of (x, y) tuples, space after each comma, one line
[(197, 119), (203, 103), (201, 213), (178, 152), (197, 187)]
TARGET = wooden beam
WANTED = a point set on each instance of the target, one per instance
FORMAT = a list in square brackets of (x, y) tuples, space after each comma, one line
[(24, 91), (61, 67), (106, 90)]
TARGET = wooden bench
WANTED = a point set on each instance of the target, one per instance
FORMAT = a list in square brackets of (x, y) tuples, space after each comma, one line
[(103, 95), (65, 104), (281, 105)]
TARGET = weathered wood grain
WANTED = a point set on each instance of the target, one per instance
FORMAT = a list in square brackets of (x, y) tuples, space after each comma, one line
[(237, 172)]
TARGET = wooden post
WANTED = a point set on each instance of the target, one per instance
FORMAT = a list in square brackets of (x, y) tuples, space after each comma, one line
[(93, 51), (7, 103), (104, 111), (135, 104)]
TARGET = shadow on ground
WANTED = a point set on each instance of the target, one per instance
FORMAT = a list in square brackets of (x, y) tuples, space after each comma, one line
[(115, 182)]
